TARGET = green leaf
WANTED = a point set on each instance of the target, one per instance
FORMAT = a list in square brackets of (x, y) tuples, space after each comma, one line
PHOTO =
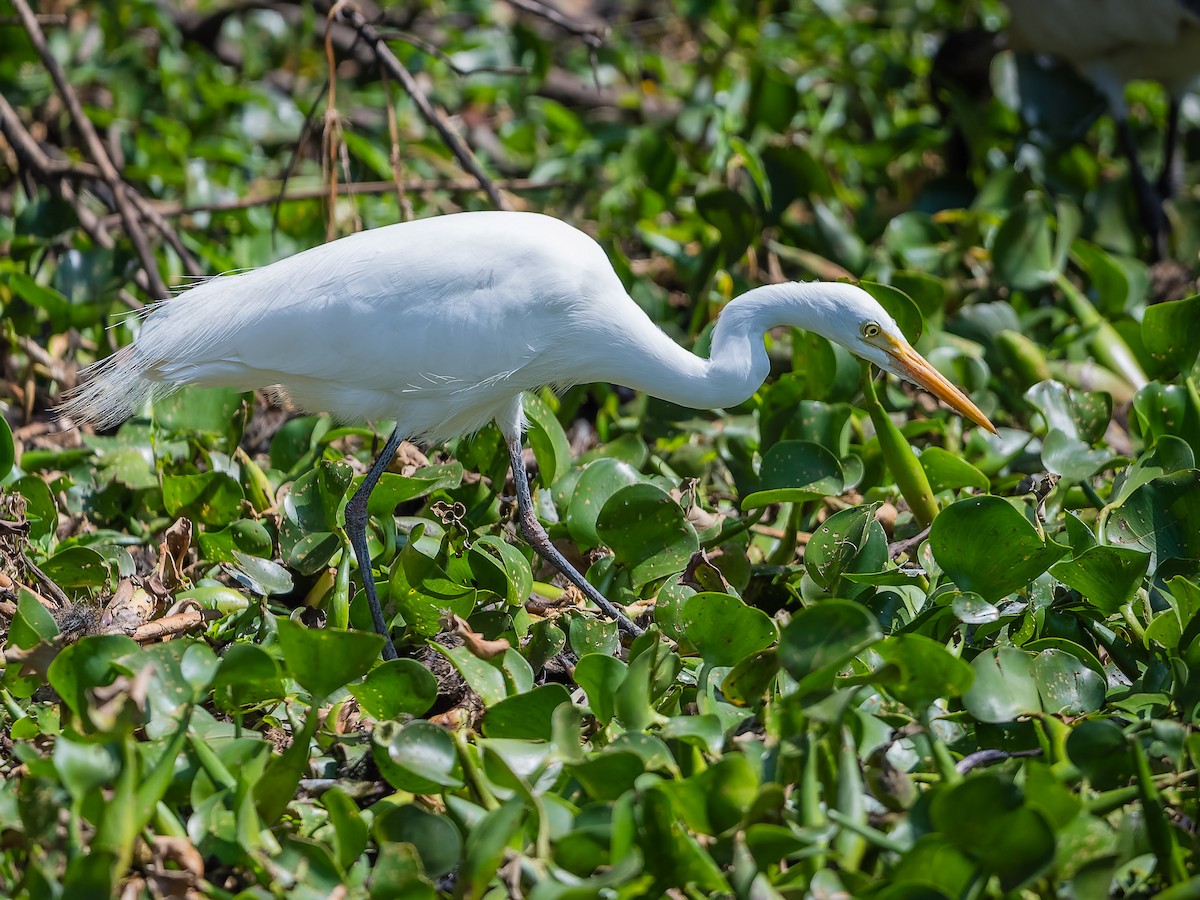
[(647, 531), (527, 716), (1161, 517), (724, 629), (7, 449), (435, 837), (486, 845), (598, 481), (1022, 250), (918, 671), (1105, 576), (1068, 687), (395, 688), (212, 498), (501, 568), (987, 819), (795, 471), (600, 675), (821, 639), (949, 472), (247, 675), (549, 442), (1004, 686), (1171, 332), (323, 660), (423, 759), (849, 541), (393, 489), (987, 547)]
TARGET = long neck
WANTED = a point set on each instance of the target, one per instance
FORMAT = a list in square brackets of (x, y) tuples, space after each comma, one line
[(738, 363)]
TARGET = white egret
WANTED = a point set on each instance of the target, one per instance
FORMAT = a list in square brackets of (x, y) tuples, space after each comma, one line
[(1113, 42), (441, 324)]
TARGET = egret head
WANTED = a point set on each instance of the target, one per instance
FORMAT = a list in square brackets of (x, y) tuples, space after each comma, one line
[(858, 322)]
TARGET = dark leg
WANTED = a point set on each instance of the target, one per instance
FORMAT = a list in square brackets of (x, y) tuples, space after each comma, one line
[(356, 528), (1149, 204), (1168, 181), (540, 541)]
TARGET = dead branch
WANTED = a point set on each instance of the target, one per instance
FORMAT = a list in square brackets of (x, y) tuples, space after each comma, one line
[(592, 35), (386, 59), (169, 626), (96, 150)]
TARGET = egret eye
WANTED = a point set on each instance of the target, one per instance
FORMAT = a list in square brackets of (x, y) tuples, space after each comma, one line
[(870, 330)]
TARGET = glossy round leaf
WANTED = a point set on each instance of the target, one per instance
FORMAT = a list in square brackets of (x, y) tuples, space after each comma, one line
[(1161, 517), (821, 639), (1068, 687), (987, 547), (598, 481), (918, 671), (325, 659), (395, 688), (1004, 687), (648, 532), (947, 471), (795, 471), (849, 541), (527, 716), (724, 629), (1105, 576)]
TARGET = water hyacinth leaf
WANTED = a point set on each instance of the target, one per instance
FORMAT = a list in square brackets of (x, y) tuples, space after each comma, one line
[(607, 775), (77, 568), (425, 758), (751, 677), (821, 639), (1106, 576), (485, 676), (1072, 458), (987, 547), (501, 568), (849, 541), (918, 671), (91, 662), (245, 536), (205, 410), (1068, 687), (1171, 332), (1162, 518), (425, 593), (486, 845), (600, 675), (248, 675), (8, 453), (1083, 415), (647, 531), (795, 471), (395, 688), (724, 629), (598, 481), (987, 818), (1166, 410), (1004, 687), (393, 489), (1100, 750), (547, 439), (435, 837), (323, 660), (1022, 250), (971, 609), (947, 471), (41, 512), (527, 716)]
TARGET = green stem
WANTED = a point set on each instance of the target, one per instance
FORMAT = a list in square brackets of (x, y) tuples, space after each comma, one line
[(898, 454)]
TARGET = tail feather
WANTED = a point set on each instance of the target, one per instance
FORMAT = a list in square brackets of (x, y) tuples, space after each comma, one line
[(110, 391)]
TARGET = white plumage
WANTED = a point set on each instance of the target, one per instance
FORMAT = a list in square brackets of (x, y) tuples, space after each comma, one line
[(442, 323)]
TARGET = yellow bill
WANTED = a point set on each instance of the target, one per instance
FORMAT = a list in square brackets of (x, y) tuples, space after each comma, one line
[(913, 366)]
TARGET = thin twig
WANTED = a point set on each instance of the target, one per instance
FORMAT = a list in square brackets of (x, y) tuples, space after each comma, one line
[(425, 47), (95, 149), (347, 14), (590, 34)]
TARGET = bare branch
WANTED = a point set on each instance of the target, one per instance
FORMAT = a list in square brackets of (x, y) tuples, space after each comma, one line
[(350, 16), (591, 35), (95, 149)]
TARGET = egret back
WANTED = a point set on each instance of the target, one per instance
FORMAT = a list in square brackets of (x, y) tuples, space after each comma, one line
[(437, 323)]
